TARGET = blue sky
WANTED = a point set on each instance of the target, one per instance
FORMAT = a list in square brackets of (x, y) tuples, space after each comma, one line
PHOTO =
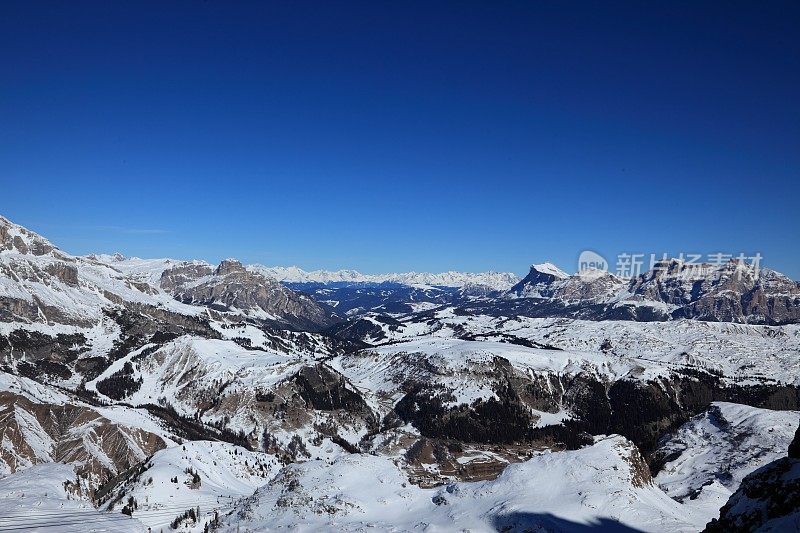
[(403, 136)]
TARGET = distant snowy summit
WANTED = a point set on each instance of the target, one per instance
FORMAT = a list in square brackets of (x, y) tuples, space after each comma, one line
[(498, 281), (152, 269)]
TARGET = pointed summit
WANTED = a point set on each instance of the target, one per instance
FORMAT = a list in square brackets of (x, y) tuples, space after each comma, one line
[(551, 269), (539, 280)]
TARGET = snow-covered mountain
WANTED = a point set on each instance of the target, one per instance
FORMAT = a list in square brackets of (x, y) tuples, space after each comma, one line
[(498, 281), (167, 393), (729, 292), (202, 476)]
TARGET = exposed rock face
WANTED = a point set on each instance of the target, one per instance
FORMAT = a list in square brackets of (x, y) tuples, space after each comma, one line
[(65, 272), (274, 400), (737, 292), (183, 274), (36, 433), (540, 282), (767, 500), (18, 239), (730, 292), (30, 280), (12, 309), (231, 286), (229, 266), (794, 447)]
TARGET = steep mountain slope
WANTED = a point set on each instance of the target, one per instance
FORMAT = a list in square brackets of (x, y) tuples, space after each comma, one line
[(231, 287), (38, 425), (539, 281), (41, 284), (228, 287), (285, 403), (709, 456), (767, 500)]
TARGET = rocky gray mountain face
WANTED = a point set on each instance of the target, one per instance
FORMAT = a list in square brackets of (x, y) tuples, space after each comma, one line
[(730, 292), (35, 432), (14, 238), (231, 287)]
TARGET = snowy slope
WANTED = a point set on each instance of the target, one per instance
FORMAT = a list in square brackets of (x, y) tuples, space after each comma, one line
[(40, 283), (713, 452), (49, 497), (182, 370), (144, 270), (466, 367), (605, 484), (551, 269), (204, 474), (740, 352)]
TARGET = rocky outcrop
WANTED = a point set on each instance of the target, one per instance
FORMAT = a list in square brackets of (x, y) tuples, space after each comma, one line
[(35, 433), (230, 286), (174, 278), (65, 272), (15, 238), (794, 447), (767, 500), (229, 266), (14, 309)]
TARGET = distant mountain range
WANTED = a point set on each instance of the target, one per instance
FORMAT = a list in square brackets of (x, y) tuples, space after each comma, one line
[(498, 281)]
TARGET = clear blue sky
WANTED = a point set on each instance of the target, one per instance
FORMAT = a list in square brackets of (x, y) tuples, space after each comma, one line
[(393, 136)]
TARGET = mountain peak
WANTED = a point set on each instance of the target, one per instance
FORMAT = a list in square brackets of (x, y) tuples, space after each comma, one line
[(15, 238), (549, 268), (228, 266)]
